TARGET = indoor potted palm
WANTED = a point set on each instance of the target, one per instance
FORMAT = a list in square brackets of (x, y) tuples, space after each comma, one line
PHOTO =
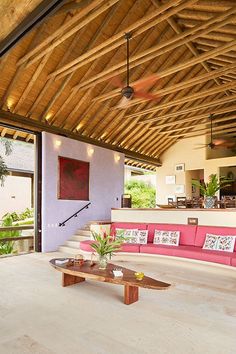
[(209, 189), (105, 245)]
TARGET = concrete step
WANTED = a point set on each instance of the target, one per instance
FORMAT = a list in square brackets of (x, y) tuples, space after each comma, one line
[(68, 250), (73, 244), (79, 238), (83, 232)]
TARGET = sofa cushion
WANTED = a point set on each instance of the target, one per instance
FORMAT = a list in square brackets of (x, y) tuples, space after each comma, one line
[(216, 230), (187, 232), (188, 252), (233, 260), (130, 247), (158, 249), (85, 246), (127, 225)]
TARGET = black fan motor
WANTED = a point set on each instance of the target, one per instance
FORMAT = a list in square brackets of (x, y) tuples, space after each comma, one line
[(127, 92)]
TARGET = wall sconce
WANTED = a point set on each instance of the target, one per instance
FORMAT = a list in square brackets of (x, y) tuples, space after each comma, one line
[(57, 143), (117, 158), (90, 151)]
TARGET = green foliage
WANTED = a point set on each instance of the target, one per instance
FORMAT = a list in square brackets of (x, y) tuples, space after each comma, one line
[(6, 247), (28, 213), (10, 219), (143, 195), (3, 168), (105, 245), (210, 188), (3, 171)]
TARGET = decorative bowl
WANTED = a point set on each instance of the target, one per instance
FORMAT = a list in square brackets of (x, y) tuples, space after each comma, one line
[(139, 275)]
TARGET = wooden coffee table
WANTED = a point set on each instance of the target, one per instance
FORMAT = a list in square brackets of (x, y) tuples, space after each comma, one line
[(73, 274)]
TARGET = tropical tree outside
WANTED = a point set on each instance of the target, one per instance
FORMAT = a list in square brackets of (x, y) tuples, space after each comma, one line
[(143, 194), (3, 168)]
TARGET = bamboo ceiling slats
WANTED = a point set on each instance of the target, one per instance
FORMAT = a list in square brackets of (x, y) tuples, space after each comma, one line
[(59, 75), (118, 39)]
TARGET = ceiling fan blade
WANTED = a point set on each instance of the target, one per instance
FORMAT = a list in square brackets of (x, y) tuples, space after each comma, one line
[(146, 83), (146, 95), (200, 147), (123, 103), (116, 81)]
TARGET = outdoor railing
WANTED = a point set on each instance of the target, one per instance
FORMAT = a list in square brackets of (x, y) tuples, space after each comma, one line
[(16, 244)]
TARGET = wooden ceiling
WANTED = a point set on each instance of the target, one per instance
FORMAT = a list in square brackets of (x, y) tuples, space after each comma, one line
[(6, 132), (58, 77)]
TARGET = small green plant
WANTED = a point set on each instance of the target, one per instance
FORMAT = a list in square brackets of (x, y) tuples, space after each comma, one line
[(3, 167), (105, 245), (213, 185), (142, 193)]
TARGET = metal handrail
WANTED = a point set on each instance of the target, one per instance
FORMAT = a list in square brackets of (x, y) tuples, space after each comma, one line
[(74, 215)]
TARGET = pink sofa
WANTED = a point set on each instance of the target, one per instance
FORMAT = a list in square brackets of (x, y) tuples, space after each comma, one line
[(190, 246)]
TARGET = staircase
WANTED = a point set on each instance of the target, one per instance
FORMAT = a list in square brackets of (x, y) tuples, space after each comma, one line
[(72, 246)]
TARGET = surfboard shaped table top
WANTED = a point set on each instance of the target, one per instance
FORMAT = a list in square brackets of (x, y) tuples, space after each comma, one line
[(73, 273)]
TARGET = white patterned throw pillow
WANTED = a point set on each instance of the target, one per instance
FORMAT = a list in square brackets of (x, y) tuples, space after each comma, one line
[(138, 236), (125, 233), (170, 238), (210, 242), (219, 242)]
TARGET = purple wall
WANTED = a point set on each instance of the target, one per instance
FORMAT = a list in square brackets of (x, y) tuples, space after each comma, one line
[(106, 184)]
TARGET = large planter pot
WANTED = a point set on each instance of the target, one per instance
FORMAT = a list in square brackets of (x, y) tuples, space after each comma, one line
[(209, 202)]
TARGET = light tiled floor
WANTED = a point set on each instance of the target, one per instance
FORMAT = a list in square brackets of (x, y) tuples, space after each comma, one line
[(38, 316)]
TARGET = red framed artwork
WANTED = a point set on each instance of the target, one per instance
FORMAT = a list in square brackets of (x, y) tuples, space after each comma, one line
[(73, 183)]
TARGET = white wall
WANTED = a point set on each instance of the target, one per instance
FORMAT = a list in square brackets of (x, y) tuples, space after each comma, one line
[(217, 217), (106, 184), (184, 152), (15, 195)]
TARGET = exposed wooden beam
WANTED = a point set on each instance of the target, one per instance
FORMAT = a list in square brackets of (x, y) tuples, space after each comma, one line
[(21, 121), (35, 17), (196, 108), (15, 135), (190, 45), (193, 118), (87, 95), (155, 51), (176, 87), (89, 18), (207, 131), (193, 97), (72, 6), (164, 12), (206, 122), (3, 132), (28, 137), (59, 32)]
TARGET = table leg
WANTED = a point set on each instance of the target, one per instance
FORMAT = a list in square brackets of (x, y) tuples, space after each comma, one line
[(130, 294), (68, 279)]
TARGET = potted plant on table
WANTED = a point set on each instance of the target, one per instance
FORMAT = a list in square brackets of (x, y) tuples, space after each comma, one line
[(210, 188), (105, 246)]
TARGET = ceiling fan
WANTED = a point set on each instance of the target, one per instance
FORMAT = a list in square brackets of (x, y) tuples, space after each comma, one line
[(138, 90), (217, 143)]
